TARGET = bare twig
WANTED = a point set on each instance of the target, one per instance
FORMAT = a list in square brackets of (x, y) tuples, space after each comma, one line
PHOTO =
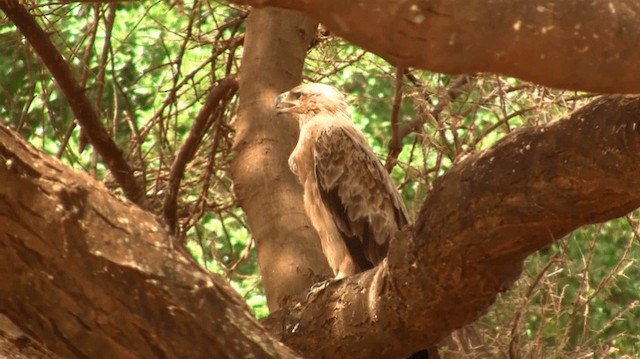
[(395, 144), (457, 88), (188, 148), (520, 310)]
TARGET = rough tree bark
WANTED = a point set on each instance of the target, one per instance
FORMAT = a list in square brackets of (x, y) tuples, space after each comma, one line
[(90, 276), (274, 51), (569, 44)]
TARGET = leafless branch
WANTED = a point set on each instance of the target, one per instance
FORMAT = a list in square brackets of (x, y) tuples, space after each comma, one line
[(395, 144), (224, 89)]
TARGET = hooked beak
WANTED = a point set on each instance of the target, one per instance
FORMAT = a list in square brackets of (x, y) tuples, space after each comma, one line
[(284, 103)]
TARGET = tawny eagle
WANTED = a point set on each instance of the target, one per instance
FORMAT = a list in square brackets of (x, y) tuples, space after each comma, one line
[(348, 195)]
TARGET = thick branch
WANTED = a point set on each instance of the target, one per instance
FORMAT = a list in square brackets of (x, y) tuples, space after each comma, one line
[(569, 44), (476, 227), (92, 277), (82, 108)]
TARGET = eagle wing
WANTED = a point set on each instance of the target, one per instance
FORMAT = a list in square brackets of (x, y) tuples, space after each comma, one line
[(357, 190)]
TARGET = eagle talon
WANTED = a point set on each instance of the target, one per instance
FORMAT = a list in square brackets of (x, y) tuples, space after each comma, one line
[(319, 287)]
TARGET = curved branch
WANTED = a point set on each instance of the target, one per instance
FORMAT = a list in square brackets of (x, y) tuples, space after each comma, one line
[(477, 225), (82, 108), (570, 44)]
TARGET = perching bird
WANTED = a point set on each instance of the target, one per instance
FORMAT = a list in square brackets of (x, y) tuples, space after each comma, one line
[(348, 195)]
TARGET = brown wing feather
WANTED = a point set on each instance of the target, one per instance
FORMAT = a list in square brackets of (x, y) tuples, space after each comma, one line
[(364, 202)]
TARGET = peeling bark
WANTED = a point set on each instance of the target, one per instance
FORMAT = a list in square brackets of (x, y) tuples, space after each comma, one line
[(577, 45), (92, 277), (477, 225)]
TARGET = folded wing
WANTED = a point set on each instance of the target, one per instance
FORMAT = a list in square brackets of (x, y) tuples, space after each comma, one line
[(357, 190)]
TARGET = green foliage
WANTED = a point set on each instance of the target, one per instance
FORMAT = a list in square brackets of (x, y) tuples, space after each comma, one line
[(149, 84)]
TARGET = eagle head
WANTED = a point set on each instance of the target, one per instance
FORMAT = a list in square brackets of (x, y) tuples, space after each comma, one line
[(311, 99)]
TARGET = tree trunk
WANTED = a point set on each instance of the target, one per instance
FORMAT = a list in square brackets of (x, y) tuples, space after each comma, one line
[(577, 45), (271, 196)]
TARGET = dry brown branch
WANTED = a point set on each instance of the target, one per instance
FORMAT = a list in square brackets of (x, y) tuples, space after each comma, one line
[(395, 144), (222, 90), (84, 76)]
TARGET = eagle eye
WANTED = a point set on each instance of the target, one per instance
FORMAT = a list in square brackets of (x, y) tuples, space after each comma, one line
[(295, 94)]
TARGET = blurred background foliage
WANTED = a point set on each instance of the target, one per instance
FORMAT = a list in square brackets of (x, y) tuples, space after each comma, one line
[(148, 68)]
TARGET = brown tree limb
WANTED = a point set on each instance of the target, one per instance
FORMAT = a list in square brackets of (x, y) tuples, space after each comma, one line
[(187, 150), (82, 108), (569, 44), (93, 277), (110, 19), (84, 76), (477, 225)]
